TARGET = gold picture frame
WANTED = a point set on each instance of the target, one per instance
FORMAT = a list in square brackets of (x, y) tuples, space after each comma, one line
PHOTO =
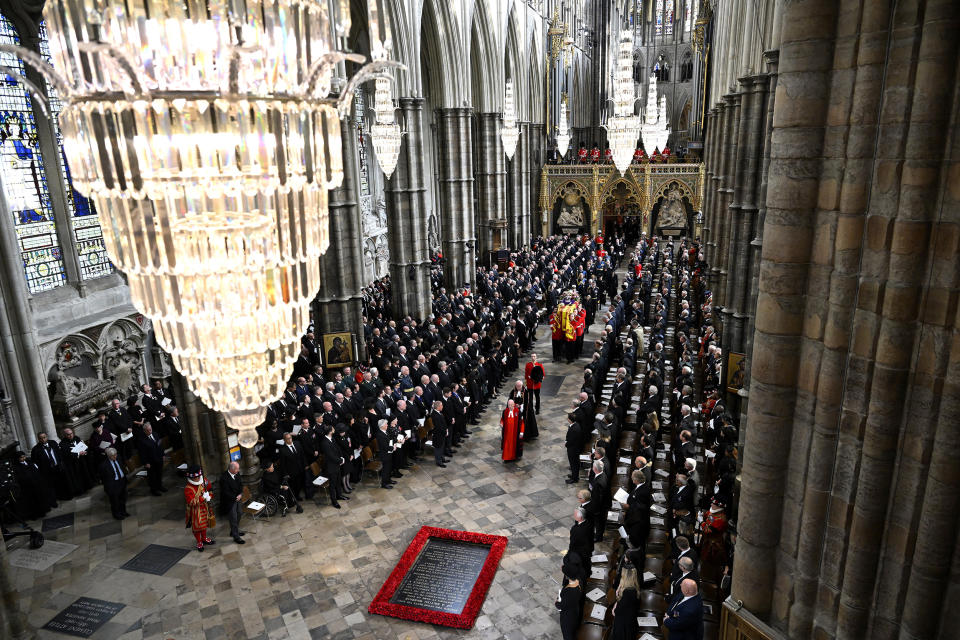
[(337, 350), (736, 371)]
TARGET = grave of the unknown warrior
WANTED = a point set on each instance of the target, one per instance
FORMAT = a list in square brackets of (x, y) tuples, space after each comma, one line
[(442, 578)]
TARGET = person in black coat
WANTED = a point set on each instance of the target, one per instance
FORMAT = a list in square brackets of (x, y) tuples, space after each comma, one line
[(114, 481), (49, 461), (332, 459), (625, 609), (570, 603), (78, 466), (33, 500), (574, 443), (600, 498), (273, 484), (291, 463), (684, 616), (309, 439), (151, 457), (231, 500), (385, 448)]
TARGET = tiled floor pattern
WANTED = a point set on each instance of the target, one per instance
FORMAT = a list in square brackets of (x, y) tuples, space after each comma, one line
[(313, 575)]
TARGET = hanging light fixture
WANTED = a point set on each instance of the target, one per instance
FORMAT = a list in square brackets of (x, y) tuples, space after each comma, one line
[(385, 132), (655, 131), (623, 127), (563, 133), (510, 132), (206, 135)]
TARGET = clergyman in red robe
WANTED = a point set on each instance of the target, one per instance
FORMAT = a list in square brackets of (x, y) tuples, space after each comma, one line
[(511, 438)]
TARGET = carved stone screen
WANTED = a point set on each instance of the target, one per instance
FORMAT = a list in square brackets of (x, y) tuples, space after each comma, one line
[(442, 576)]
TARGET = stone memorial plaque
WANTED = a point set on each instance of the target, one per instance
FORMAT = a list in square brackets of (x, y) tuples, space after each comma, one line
[(155, 559), (84, 617), (442, 576), (40, 559)]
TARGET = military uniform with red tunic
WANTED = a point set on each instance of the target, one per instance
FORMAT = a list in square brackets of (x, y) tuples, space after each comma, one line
[(533, 374), (582, 155), (580, 324), (712, 528), (637, 156), (608, 156), (595, 155), (556, 337), (198, 495)]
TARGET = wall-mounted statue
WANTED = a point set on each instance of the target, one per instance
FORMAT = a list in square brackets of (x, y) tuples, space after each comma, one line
[(571, 216), (673, 213)]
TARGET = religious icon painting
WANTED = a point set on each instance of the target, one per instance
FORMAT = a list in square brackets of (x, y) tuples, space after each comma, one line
[(337, 349)]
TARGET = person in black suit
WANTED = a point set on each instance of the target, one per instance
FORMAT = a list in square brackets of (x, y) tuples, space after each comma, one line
[(118, 422), (636, 522), (151, 457), (684, 617), (114, 482), (385, 447), (439, 434), (332, 459), (599, 498), (231, 500), (33, 501), (581, 537), (292, 464), (574, 442), (173, 428)]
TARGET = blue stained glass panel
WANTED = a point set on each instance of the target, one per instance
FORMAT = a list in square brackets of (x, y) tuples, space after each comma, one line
[(24, 180)]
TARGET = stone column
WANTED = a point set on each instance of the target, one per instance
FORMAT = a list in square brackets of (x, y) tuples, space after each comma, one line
[(491, 185), (801, 109), (728, 219), (526, 202), (27, 381), (339, 303), (720, 119), (455, 141), (709, 190), (407, 220), (515, 191)]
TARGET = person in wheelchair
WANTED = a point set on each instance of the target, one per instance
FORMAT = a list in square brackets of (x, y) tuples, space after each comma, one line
[(278, 488)]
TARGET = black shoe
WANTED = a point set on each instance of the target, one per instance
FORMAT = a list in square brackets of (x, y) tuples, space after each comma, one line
[(299, 509), (348, 490), (386, 486), (209, 542), (442, 465), (467, 432), (343, 498), (239, 540), (570, 480), (335, 506), (396, 474), (242, 533), (117, 517), (199, 547), (125, 514)]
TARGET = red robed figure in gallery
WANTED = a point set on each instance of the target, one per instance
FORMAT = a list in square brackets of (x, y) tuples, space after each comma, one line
[(511, 437)]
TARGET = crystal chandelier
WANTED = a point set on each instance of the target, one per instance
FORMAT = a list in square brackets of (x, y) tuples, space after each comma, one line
[(563, 133), (510, 133), (655, 130), (623, 127), (205, 133), (385, 132)]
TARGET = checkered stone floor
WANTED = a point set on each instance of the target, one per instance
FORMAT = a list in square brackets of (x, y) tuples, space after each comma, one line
[(313, 575)]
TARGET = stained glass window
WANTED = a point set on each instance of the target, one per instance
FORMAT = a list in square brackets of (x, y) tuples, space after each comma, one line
[(88, 235), (668, 18), (659, 17), (688, 16), (23, 178)]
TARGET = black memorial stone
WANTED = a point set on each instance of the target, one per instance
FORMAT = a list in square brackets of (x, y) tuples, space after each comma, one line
[(84, 617), (155, 559), (443, 576), (551, 385), (58, 522)]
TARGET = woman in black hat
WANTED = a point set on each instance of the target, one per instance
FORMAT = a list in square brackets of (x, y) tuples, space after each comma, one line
[(570, 602)]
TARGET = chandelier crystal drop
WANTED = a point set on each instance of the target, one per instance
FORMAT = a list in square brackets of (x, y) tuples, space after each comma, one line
[(563, 133), (385, 132), (510, 132), (623, 127), (204, 132), (655, 130)]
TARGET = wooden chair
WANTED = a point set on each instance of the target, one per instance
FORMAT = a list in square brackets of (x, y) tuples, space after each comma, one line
[(650, 600), (370, 464)]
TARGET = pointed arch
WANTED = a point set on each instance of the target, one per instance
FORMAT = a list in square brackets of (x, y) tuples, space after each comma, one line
[(445, 54), (486, 66)]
